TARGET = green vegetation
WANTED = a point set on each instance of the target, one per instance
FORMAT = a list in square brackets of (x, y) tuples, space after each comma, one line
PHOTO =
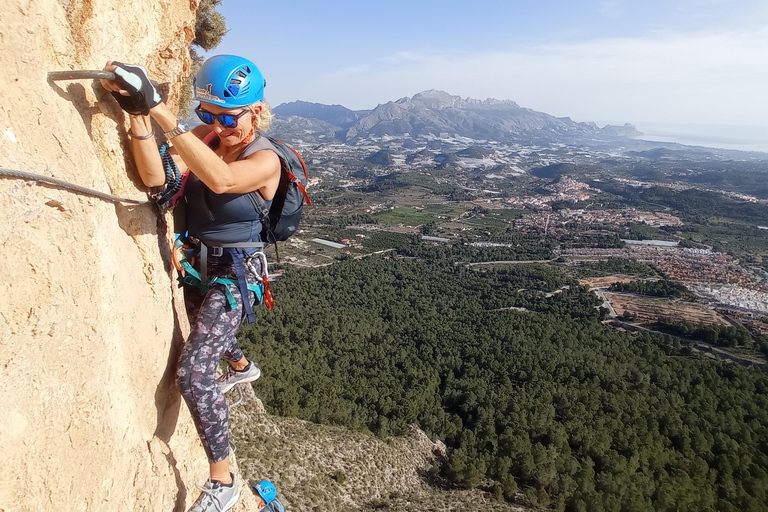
[(738, 239), (574, 414), (711, 219), (496, 220), (697, 205), (210, 28), (641, 232), (210, 25), (555, 171), (381, 240), (407, 216), (591, 240), (508, 247), (342, 221), (399, 180), (753, 181), (616, 266), (723, 335), (338, 198), (660, 288)]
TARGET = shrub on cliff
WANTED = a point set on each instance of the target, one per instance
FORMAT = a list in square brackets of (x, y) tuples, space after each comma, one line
[(210, 27)]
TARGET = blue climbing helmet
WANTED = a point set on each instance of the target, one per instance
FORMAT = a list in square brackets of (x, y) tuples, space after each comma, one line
[(266, 490), (229, 81)]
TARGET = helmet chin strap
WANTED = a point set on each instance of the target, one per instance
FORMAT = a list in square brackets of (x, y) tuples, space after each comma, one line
[(252, 134)]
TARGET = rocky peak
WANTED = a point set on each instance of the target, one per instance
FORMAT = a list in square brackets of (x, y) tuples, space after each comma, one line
[(433, 98), (627, 130)]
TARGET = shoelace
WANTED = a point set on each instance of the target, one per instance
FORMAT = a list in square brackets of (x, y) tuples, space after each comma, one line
[(207, 490), (228, 373)]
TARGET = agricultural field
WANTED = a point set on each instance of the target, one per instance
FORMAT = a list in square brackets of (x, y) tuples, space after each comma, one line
[(605, 282), (648, 311), (420, 215)]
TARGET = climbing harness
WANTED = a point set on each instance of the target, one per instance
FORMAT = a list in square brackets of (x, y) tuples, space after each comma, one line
[(12, 173), (240, 257)]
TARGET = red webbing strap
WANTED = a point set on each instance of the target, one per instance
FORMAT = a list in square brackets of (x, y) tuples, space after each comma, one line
[(208, 138), (303, 165), (298, 183)]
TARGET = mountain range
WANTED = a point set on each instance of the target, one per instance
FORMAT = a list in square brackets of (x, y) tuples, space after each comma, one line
[(434, 113)]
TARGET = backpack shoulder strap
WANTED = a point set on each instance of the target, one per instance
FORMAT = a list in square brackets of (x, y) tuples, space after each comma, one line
[(259, 203), (259, 144)]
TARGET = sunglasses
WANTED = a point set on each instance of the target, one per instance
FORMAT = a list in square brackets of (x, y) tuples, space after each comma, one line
[(226, 120)]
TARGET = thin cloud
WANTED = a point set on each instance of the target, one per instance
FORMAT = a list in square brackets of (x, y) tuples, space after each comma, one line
[(715, 78)]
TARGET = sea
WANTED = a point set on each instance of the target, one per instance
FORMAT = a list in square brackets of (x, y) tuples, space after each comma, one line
[(738, 137)]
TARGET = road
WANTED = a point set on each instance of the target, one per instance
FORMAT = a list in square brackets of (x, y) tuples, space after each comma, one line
[(699, 345), (512, 262)]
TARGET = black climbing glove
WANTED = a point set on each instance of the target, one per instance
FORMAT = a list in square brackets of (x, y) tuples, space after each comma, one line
[(142, 94)]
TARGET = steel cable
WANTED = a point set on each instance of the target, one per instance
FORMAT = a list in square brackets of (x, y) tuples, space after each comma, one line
[(13, 173)]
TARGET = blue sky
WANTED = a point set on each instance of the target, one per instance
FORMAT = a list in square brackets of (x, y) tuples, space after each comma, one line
[(674, 61)]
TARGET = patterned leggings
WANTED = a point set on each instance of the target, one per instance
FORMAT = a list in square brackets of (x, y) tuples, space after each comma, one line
[(213, 337)]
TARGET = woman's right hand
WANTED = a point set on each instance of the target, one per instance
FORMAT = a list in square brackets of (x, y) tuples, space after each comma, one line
[(112, 85), (132, 88)]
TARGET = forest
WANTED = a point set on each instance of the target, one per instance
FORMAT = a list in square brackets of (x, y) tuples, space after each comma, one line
[(616, 266), (695, 205), (512, 369), (722, 335), (659, 288)]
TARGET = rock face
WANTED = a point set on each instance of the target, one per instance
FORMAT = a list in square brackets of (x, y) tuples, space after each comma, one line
[(334, 469), (92, 321)]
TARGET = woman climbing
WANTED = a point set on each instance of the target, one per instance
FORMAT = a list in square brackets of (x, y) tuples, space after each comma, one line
[(228, 160)]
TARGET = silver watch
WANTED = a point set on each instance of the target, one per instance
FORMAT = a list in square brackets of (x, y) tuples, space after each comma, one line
[(180, 128)]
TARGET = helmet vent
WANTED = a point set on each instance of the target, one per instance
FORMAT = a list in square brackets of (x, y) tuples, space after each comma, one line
[(241, 74)]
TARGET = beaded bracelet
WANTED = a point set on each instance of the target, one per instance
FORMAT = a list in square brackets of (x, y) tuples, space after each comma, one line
[(141, 137)]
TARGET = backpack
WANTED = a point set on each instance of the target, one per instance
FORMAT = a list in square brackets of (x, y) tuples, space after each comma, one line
[(285, 212), (281, 218)]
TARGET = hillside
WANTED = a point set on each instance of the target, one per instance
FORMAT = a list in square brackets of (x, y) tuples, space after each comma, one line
[(333, 114), (321, 467)]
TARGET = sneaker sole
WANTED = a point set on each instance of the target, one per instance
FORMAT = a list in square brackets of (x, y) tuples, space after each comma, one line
[(246, 380)]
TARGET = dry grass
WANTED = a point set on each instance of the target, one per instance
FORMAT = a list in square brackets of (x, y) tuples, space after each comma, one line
[(604, 282), (649, 310)]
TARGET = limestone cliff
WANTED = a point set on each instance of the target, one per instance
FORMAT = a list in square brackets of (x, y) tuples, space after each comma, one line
[(92, 321)]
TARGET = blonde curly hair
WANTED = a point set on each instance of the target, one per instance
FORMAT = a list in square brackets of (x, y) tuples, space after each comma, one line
[(263, 120)]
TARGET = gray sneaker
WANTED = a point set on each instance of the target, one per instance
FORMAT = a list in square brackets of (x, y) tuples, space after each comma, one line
[(232, 377), (216, 497)]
